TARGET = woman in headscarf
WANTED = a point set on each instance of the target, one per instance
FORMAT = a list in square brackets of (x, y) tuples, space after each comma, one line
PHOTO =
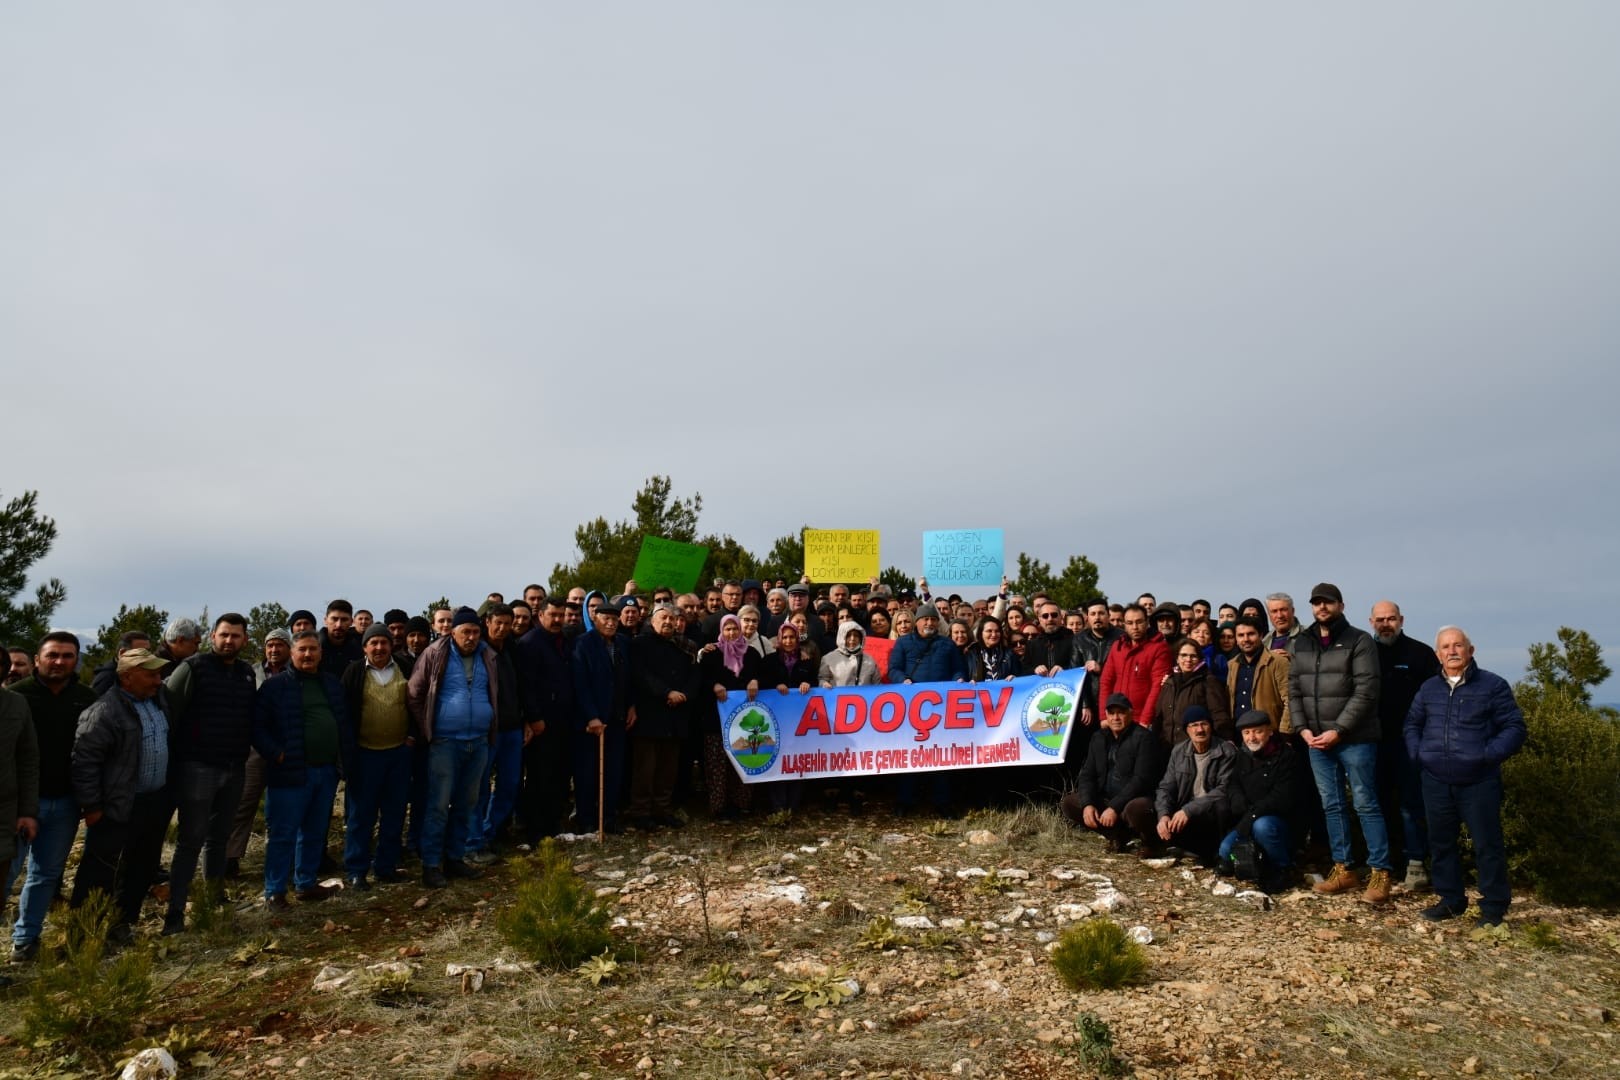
[(727, 666), (787, 669), (749, 615)]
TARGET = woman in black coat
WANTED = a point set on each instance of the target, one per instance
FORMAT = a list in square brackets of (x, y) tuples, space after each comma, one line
[(787, 669)]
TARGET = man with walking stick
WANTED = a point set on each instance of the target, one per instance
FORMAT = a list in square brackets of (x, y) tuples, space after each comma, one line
[(602, 693)]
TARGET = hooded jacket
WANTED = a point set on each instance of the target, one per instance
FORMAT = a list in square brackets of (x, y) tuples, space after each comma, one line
[(841, 667)]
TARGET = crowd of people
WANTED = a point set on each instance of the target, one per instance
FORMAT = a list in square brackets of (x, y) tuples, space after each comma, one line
[(1235, 735)]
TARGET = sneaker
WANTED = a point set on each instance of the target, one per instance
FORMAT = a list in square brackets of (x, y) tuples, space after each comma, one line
[(1417, 876), (1485, 922), (25, 954), (1440, 912), (174, 923), (276, 901), (456, 868), (357, 882), (433, 878), (1340, 880), (1377, 888), (313, 895)]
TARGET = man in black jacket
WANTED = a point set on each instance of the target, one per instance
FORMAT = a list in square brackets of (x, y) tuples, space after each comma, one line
[(120, 775), (1333, 699), (663, 682), (1264, 800), (212, 695), (1403, 666), (1123, 764), (545, 678)]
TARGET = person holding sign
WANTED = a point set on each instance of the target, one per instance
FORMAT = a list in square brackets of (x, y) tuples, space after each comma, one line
[(727, 666)]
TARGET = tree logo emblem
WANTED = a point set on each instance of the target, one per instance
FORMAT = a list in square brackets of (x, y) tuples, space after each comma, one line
[(1047, 717), (753, 737)]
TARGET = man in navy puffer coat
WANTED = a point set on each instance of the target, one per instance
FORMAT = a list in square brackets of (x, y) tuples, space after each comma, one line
[(1462, 725)]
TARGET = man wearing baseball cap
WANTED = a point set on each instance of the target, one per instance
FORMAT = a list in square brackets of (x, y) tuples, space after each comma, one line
[(1333, 686), (120, 773)]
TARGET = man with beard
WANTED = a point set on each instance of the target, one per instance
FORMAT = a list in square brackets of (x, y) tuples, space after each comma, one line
[(1192, 802), (1333, 698), (1264, 801), (1122, 764), (340, 642), (398, 624), (1403, 666), (1257, 678), (1052, 649), (730, 603), (181, 640), (212, 695), (378, 769), (1091, 648), (1137, 666)]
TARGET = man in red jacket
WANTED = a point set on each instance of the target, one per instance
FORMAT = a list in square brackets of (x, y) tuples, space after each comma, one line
[(1137, 665)]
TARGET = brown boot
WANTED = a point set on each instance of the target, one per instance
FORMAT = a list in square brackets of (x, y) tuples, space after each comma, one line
[(1377, 888), (1341, 880)]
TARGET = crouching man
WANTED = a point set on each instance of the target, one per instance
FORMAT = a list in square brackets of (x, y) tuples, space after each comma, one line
[(1263, 796), (1192, 798), (1122, 764)]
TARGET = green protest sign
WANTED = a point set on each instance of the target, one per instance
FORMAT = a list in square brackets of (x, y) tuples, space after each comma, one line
[(668, 562)]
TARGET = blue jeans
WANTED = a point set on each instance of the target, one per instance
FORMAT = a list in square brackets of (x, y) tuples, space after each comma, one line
[(46, 858), (1479, 806), (506, 769), (1270, 835), (379, 786), (455, 768), (296, 819), (1359, 763)]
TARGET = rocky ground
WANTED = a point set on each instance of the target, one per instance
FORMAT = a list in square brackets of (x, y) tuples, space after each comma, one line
[(922, 948)]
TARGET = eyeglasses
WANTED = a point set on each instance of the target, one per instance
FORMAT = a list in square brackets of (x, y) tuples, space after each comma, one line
[(1048, 616)]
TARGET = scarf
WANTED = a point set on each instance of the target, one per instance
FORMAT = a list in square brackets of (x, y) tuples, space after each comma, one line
[(732, 652)]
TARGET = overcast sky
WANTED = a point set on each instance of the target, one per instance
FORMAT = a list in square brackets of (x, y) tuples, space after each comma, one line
[(381, 300)]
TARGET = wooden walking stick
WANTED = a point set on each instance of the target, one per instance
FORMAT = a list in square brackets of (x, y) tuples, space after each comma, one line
[(601, 791)]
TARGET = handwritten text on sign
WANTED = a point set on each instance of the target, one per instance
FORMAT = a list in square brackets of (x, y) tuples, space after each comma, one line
[(956, 557), (846, 555), (868, 730)]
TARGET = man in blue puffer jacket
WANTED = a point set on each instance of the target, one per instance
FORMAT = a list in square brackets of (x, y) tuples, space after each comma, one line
[(1462, 725), (924, 656)]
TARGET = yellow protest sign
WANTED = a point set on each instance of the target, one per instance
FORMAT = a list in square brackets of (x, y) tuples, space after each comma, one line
[(840, 555)]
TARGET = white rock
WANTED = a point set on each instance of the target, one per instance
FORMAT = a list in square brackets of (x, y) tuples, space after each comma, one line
[(645, 1064), (1188, 875), (1109, 900), (893, 838), (1159, 864), (392, 967), (1072, 912), (932, 871), (914, 922), (611, 875), (506, 967), (605, 891), (1043, 936), (1140, 934), (331, 977), (989, 926), (620, 922), (685, 898), (962, 1067), (1223, 888), (1013, 875), (1095, 879), (1016, 913), (153, 1063), (952, 923), (847, 1027), (1063, 875), (980, 837), (788, 857), (793, 894), (810, 849), (972, 872), (852, 986), (1255, 898)]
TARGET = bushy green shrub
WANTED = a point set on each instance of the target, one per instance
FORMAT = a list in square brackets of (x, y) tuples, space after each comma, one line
[(1561, 801), (85, 1004), (1098, 955), (554, 919)]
